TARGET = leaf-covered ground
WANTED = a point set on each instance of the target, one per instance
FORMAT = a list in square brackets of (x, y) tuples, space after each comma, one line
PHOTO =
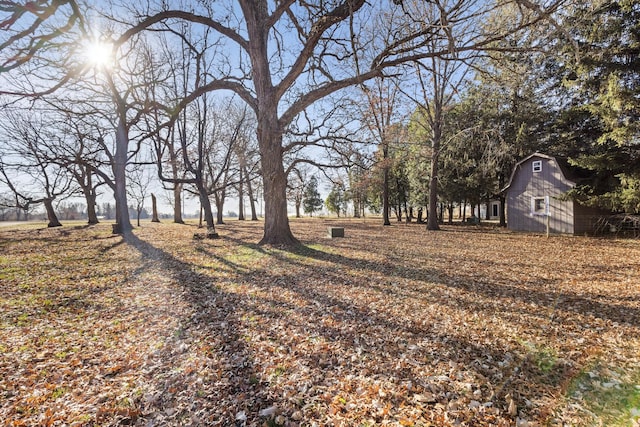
[(388, 326)]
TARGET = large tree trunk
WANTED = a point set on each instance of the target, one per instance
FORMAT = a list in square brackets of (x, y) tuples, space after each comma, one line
[(89, 195), (123, 222), (177, 188), (269, 130), (205, 205), (154, 209), (220, 206), (92, 215), (276, 221), (298, 206), (51, 214), (177, 204), (408, 212)]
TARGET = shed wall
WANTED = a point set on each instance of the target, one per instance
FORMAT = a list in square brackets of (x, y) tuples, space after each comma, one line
[(527, 185)]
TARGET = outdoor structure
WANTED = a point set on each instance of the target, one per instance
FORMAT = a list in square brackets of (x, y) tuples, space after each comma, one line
[(534, 198), (493, 206)]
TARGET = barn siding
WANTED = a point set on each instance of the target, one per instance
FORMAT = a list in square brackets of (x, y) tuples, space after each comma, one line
[(549, 182)]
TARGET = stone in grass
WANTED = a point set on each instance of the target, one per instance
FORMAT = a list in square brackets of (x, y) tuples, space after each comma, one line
[(335, 232)]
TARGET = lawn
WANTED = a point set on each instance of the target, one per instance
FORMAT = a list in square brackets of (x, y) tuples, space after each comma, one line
[(391, 325)]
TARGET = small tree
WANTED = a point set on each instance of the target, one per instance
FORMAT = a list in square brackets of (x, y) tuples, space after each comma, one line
[(296, 186), (311, 200), (138, 189), (336, 201)]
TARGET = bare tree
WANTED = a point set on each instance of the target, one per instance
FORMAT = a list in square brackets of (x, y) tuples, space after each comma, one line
[(74, 147), (199, 143), (27, 168), (290, 55), (281, 86), (111, 85), (248, 165), (297, 182), (439, 81), (380, 116), (168, 82), (140, 181), (28, 30)]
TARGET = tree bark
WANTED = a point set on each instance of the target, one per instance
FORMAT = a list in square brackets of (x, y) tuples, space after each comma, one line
[(92, 215), (51, 214), (503, 200), (432, 219), (252, 202), (463, 216), (298, 206), (205, 205), (241, 197), (385, 186), (276, 225), (154, 209), (120, 177), (177, 204), (398, 211), (220, 206)]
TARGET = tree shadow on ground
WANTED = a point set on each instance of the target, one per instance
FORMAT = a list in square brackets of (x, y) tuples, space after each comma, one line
[(324, 309), (491, 287), (214, 329)]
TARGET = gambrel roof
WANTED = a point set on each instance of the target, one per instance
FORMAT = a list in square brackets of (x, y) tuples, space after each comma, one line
[(571, 174)]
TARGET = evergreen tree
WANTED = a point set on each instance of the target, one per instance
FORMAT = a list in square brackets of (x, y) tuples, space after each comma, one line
[(311, 201), (600, 128), (336, 201)]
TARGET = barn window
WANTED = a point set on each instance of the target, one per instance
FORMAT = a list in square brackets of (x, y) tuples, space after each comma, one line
[(537, 166), (540, 205)]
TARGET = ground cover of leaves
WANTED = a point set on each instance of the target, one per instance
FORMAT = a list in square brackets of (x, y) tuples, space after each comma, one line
[(391, 325)]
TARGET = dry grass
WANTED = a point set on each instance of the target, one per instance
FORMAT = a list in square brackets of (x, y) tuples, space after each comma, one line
[(388, 326)]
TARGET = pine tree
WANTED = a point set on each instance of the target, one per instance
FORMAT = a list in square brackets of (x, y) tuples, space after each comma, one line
[(601, 127), (336, 200), (311, 201)]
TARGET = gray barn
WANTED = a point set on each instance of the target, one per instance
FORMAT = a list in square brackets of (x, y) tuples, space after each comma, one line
[(533, 198)]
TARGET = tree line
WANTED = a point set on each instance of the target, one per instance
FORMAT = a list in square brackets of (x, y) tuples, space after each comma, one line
[(406, 106)]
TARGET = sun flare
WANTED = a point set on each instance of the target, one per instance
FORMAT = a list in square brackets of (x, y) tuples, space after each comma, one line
[(99, 53)]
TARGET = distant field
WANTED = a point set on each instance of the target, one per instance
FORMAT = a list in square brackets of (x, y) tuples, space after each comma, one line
[(387, 326)]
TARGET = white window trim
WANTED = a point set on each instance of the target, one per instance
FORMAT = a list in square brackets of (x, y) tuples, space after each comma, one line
[(535, 212), (536, 166)]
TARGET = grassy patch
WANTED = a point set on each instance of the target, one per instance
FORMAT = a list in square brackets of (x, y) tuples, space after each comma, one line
[(608, 396)]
